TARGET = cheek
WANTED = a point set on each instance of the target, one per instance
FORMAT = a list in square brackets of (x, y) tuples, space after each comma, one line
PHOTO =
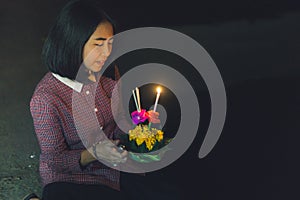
[(90, 55)]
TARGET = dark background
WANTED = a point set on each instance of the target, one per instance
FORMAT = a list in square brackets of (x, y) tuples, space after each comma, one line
[(255, 45)]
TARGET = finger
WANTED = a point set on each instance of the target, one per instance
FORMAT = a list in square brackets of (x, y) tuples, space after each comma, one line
[(156, 113), (124, 153), (117, 160), (154, 120), (116, 157), (112, 144), (107, 143), (115, 154), (116, 142), (153, 113)]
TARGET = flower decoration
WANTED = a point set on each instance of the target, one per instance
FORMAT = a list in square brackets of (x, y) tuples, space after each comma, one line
[(142, 134), (143, 138), (139, 116)]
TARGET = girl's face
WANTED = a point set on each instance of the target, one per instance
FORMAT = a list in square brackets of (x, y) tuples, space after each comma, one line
[(98, 47)]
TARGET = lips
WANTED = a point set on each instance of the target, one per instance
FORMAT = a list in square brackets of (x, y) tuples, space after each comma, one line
[(100, 62)]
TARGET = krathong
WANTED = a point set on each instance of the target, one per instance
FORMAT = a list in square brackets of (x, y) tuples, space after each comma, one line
[(143, 138)]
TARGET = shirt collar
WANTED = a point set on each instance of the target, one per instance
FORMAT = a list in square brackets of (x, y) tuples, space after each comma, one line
[(75, 85)]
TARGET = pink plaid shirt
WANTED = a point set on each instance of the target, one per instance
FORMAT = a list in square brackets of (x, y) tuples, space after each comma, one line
[(62, 139)]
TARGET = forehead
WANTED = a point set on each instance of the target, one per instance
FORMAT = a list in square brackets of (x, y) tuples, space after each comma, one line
[(103, 30)]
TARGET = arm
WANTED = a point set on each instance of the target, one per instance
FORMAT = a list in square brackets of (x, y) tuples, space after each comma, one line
[(121, 119), (54, 149)]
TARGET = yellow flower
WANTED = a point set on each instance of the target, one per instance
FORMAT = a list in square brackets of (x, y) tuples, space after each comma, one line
[(141, 134), (139, 141), (149, 145), (159, 135)]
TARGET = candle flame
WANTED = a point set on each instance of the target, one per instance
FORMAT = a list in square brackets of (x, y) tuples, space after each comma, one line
[(158, 89)]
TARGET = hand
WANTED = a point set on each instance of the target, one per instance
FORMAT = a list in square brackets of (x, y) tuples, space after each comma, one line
[(153, 117), (108, 151)]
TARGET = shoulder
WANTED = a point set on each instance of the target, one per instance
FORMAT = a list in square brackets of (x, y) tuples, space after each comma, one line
[(46, 91)]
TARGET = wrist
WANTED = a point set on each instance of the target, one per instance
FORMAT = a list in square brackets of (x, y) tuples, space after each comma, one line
[(94, 150)]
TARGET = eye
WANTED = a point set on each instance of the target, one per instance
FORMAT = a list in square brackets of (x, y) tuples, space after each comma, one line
[(99, 45)]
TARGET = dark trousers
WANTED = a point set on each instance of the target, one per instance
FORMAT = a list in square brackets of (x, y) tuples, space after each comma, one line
[(133, 187)]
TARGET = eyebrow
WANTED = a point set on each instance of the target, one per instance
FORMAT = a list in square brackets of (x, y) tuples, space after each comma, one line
[(101, 38)]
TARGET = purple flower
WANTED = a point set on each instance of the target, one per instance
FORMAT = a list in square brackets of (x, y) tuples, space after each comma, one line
[(139, 117)]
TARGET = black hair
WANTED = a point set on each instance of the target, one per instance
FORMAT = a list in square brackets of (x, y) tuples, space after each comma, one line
[(63, 47)]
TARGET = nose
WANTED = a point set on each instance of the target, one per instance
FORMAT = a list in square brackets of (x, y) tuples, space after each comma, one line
[(106, 49)]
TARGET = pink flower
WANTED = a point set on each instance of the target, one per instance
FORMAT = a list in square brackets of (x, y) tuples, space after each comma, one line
[(139, 117)]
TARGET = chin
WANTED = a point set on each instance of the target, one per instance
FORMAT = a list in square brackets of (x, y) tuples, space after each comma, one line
[(96, 68)]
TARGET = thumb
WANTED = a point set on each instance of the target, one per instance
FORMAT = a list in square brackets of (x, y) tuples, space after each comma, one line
[(116, 142)]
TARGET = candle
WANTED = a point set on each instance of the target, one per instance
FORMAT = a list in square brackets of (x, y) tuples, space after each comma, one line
[(157, 97), (138, 98), (137, 107)]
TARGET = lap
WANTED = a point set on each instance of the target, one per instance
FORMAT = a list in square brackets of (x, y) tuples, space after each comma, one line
[(133, 187), (73, 191)]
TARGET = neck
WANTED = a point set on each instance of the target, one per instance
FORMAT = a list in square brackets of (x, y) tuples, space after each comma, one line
[(92, 76)]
